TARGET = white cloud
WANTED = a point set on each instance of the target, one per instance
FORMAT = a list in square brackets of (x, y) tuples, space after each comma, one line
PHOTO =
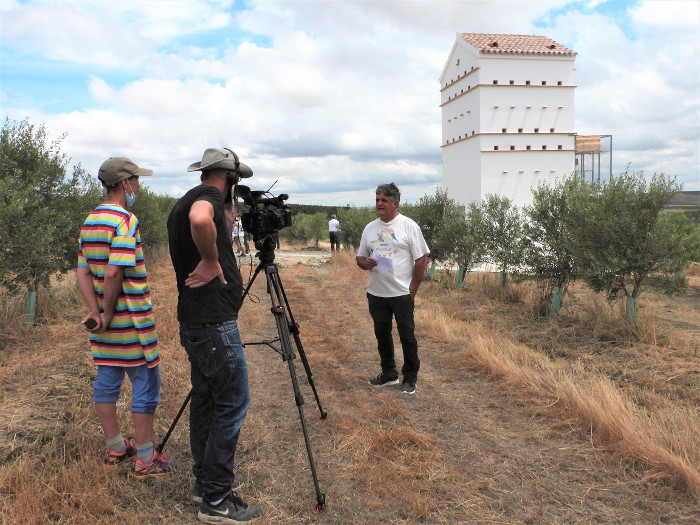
[(100, 90), (677, 14), (641, 90), (334, 96)]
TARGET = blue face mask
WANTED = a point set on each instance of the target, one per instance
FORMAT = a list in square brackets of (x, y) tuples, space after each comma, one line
[(130, 197)]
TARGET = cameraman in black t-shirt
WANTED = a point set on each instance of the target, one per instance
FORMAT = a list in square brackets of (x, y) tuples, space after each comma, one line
[(210, 291)]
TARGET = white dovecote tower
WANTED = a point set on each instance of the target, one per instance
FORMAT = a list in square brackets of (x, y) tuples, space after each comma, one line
[(507, 116)]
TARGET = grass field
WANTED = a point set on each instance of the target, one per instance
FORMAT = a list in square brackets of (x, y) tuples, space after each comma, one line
[(516, 419)]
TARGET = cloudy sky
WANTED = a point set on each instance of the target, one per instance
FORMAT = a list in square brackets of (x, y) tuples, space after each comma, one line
[(329, 98)]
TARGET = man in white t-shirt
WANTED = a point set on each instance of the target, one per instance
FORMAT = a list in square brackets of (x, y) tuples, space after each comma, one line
[(237, 229), (333, 227), (393, 250)]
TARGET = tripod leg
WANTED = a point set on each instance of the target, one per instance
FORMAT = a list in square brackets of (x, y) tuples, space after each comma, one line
[(252, 280), (300, 348), (287, 352), (320, 497), (309, 375), (177, 418)]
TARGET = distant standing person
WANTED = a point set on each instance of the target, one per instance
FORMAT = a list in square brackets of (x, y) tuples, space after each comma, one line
[(239, 236), (333, 227), (394, 251), (210, 292), (242, 239), (113, 282)]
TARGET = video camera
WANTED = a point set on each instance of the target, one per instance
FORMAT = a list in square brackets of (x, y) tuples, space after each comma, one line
[(266, 215)]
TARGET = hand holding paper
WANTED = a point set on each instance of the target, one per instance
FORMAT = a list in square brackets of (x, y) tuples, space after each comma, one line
[(384, 264)]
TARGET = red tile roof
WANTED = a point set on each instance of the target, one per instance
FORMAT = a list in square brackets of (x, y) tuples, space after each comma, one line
[(515, 44)]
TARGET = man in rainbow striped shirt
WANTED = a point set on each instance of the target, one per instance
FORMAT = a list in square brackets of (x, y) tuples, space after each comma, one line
[(113, 282)]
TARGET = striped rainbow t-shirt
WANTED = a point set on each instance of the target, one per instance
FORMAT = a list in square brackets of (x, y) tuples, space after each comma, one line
[(110, 235)]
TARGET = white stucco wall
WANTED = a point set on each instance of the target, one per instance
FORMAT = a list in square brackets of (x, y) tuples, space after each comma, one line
[(475, 113)]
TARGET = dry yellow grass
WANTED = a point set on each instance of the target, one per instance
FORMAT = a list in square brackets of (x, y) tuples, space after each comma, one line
[(516, 419), (666, 438)]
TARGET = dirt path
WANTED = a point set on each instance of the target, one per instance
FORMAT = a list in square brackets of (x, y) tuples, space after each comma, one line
[(467, 448), (462, 450)]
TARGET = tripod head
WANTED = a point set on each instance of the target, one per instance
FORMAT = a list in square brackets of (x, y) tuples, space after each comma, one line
[(266, 248)]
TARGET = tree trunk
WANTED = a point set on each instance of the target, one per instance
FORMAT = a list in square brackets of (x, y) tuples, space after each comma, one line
[(556, 303), (431, 273), (31, 306), (460, 277), (631, 311)]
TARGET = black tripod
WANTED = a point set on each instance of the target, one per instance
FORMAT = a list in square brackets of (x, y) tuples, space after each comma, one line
[(285, 326)]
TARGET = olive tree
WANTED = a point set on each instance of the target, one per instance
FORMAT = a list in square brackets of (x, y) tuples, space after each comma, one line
[(152, 211), (42, 208), (547, 257), (441, 222), (496, 227), (619, 236), (352, 223), (309, 226)]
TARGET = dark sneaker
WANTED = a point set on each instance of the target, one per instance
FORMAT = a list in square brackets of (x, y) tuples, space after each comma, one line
[(112, 458), (408, 387), (159, 466), (198, 493), (232, 510), (384, 380)]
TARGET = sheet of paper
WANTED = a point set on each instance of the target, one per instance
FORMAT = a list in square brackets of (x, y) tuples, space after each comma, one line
[(384, 264)]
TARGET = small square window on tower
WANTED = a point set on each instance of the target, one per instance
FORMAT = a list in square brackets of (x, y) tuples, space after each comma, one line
[(503, 130), (544, 146), (512, 148), (558, 82), (559, 147), (512, 82), (520, 130), (495, 148), (528, 148), (544, 82), (527, 82)]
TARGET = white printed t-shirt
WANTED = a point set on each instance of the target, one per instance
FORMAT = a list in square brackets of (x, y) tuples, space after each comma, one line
[(395, 245)]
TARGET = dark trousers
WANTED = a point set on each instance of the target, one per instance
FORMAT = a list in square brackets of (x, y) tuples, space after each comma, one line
[(382, 309), (220, 400), (335, 242)]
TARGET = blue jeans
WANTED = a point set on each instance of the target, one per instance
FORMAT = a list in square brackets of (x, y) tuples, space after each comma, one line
[(382, 309), (220, 400)]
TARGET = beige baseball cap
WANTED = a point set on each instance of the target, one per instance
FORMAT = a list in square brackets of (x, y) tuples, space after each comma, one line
[(117, 169)]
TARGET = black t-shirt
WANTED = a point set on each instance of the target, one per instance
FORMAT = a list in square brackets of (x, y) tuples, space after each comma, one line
[(214, 302)]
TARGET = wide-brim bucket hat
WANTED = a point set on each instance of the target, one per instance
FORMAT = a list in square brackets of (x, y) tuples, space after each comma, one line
[(221, 158)]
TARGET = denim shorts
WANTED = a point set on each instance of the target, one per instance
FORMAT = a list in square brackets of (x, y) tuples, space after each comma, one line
[(145, 386)]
